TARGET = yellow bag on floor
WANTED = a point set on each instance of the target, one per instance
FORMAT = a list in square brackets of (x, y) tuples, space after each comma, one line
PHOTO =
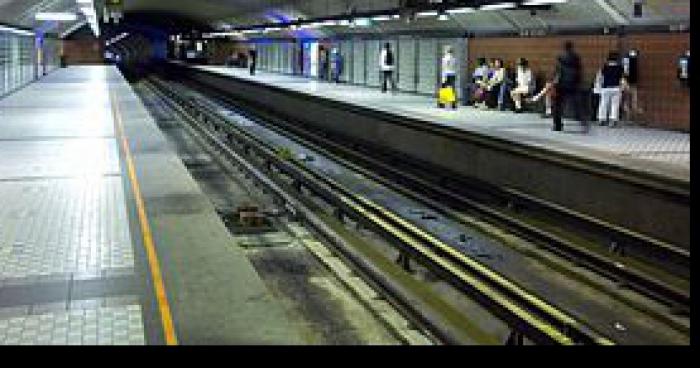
[(447, 96)]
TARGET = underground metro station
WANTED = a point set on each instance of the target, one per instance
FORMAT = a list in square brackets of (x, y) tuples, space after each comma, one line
[(345, 172)]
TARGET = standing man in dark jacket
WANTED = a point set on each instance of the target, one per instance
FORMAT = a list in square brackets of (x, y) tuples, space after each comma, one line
[(252, 60), (567, 82)]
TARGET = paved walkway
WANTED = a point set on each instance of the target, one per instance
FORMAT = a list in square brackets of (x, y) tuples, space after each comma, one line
[(67, 265), (73, 265)]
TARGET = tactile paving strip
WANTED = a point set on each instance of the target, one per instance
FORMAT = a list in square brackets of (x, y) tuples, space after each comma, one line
[(60, 226), (116, 325)]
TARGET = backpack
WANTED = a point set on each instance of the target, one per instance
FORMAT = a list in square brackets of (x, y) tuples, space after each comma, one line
[(389, 58)]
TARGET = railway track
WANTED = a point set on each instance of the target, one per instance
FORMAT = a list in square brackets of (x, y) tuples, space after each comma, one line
[(528, 315), (615, 260)]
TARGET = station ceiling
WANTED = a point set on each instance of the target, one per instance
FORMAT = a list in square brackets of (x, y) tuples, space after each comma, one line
[(233, 13)]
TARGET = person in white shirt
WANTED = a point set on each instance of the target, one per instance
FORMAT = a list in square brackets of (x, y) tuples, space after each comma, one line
[(493, 84), (387, 63), (478, 77), (449, 68), (523, 85)]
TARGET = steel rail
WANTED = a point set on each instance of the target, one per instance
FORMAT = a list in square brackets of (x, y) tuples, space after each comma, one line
[(535, 318), (678, 299)]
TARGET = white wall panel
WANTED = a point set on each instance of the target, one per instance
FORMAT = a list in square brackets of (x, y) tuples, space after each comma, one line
[(372, 63), (407, 64), (358, 62), (428, 60)]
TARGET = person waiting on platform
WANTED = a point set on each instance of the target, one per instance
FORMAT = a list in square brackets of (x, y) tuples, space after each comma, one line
[(567, 82), (322, 63), (252, 60), (480, 74), (336, 65), (449, 72), (387, 66), (492, 86), (548, 93), (523, 84), (509, 76), (609, 85)]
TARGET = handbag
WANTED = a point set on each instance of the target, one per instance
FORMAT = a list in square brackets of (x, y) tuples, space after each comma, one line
[(447, 95), (598, 84)]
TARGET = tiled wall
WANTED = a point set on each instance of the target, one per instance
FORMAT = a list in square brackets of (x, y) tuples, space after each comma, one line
[(418, 60), (19, 60), (16, 61), (665, 102), (221, 51)]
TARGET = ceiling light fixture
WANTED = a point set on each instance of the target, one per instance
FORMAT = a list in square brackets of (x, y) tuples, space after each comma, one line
[(543, 2), (498, 6), (428, 13), (58, 17), (380, 18), (16, 31), (460, 11)]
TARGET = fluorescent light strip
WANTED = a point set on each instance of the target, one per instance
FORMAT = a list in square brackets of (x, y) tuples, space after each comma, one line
[(16, 31), (380, 18), (544, 2), (362, 22), (430, 13), (59, 17), (498, 6), (460, 11)]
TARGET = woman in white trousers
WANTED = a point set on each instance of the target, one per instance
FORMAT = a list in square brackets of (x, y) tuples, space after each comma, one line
[(609, 85)]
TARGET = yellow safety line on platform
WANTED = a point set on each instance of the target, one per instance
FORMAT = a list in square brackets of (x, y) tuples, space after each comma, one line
[(148, 243)]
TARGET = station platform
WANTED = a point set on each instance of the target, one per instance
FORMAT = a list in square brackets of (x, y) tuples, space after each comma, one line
[(618, 177), (664, 153), (105, 238)]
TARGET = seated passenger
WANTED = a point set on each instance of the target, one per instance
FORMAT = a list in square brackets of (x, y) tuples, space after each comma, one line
[(475, 93), (492, 86), (548, 93), (523, 84), (481, 84), (508, 84)]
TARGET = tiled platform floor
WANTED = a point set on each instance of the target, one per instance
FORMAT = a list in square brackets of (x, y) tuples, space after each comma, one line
[(628, 145), (71, 272), (67, 271)]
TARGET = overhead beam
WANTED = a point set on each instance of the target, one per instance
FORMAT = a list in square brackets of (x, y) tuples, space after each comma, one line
[(611, 11)]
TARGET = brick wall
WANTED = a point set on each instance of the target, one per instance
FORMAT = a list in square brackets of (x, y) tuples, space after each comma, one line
[(665, 102), (219, 51), (79, 52)]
